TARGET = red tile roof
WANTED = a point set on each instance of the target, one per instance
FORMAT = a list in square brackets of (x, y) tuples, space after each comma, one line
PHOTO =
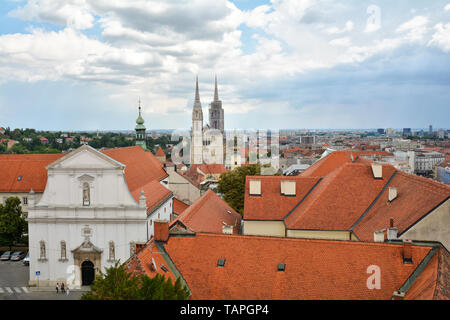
[(208, 214), (416, 197), (196, 178), (179, 206), (434, 282), (315, 269), (141, 167), (31, 167), (330, 163), (272, 205), (149, 261), (339, 199), (155, 193), (160, 153)]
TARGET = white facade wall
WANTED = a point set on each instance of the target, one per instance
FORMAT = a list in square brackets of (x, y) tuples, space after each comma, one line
[(61, 215)]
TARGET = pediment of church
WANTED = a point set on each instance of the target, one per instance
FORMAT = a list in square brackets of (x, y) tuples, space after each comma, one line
[(85, 157), (87, 247)]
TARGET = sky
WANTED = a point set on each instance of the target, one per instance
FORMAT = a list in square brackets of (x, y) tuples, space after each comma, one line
[(297, 64)]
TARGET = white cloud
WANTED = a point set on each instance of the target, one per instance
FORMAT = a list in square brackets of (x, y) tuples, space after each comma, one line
[(335, 30), (73, 13), (447, 7), (415, 28), (341, 42), (441, 38)]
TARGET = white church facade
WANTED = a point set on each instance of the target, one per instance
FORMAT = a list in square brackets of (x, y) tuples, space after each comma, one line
[(94, 211)]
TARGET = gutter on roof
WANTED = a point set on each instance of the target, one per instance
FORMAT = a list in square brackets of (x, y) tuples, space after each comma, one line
[(171, 265), (374, 201), (417, 272)]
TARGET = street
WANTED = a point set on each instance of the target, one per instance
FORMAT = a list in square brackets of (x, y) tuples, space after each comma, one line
[(14, 277)]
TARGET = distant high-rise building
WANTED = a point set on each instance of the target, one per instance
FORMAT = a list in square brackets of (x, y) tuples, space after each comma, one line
[(430, 130), (407, 132), (441, 134), (380, 131)]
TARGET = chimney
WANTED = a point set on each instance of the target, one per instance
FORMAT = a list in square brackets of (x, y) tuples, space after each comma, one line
[(392, 193), (255, 187), (288, 187), (407, 252), (392, 231), (227, 229), (142, 200), (377, 170), (161, 230), (398, 295), (378, 236)]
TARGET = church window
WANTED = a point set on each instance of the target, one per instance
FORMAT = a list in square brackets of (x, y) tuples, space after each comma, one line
[(25, 200), (86, 194)]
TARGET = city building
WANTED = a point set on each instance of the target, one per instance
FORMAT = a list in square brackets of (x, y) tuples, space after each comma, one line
[(207, 142), (96, 208), (347, 200)]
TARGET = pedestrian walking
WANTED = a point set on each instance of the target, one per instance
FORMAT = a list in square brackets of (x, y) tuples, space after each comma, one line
[(57, 287), (62, 287), (67, 291)]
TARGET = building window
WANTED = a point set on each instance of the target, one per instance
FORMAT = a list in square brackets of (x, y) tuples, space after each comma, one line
[(25, 200), (42, 254), (63, 251), (86, 194), (112, 251)]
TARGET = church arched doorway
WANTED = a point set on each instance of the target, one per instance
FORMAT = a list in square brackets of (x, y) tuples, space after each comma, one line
[(87, 273)]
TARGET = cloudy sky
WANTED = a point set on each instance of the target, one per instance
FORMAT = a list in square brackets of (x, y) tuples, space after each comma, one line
[(83, 64)]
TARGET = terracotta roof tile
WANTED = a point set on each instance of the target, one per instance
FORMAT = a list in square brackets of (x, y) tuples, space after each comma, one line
[(416, 197), (179, 206), (315, 269), (160, 152), (208, 214), (31, 167), (141, 167), (272, 205), (155, 193), (331, 162), (340, 198)]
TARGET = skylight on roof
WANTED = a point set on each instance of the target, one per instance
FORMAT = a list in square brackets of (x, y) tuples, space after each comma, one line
[(19, 178), (221, 263), (281, 267), (163, 268)]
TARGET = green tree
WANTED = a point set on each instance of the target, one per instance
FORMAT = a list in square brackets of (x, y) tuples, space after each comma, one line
[(12, 224), (232, 185), (118, 284)]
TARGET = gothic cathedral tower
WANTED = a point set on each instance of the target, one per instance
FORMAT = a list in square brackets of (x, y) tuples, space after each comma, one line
[(197, 129), (140, 130), (216, 114)]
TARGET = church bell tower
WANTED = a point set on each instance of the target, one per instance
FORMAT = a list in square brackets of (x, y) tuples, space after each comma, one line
[(197, 129), (140, 130)]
